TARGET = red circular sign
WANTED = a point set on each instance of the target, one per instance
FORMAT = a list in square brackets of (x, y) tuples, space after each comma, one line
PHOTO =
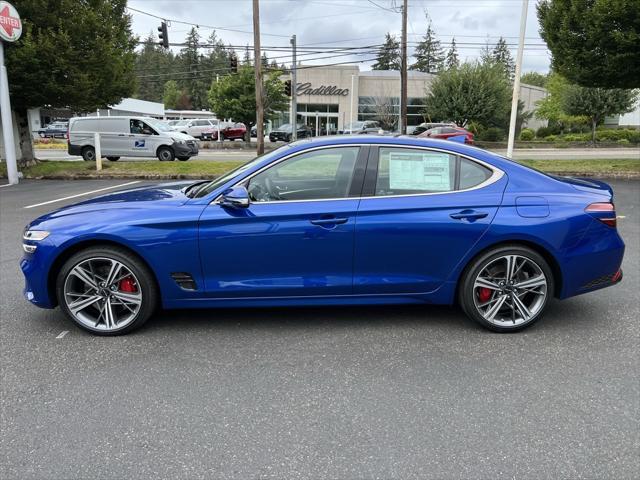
[(10, 23)]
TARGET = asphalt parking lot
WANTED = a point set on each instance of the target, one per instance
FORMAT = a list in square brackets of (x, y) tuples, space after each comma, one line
[(375, 392)]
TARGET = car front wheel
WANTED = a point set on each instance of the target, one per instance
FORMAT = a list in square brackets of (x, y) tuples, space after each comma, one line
[(165, 154), (506, 289), (88, 154), (106, 290), (113, 159)]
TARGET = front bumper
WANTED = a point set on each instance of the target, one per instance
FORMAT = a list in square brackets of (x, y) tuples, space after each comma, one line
[(35, 268), (187, 149)]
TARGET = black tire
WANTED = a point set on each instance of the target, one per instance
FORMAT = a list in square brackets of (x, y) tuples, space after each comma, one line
[(466, 293), (183, 159), (288, 138), (145, 277), (113, 159), (221, 137), (166, 154), (89, 154)]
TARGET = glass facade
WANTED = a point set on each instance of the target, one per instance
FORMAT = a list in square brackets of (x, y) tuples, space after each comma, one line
[(386, 110)]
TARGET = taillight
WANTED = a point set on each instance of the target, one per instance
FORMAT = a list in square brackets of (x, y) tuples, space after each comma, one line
[(605, 212)]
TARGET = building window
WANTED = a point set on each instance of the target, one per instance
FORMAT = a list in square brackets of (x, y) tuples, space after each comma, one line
[(386, 110)]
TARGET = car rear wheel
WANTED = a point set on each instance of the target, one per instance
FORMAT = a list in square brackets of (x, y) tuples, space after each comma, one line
[(165, 154), (106, 290), (113, 159), (89, 154), (507, 289), (183, 159)]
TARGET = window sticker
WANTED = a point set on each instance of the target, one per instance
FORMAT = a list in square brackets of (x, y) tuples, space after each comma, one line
[(419, 171)]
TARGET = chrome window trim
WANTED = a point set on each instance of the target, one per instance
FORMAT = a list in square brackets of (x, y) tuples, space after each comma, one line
[(496, 175)]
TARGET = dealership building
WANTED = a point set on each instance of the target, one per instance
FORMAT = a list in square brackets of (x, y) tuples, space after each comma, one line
[(328, 98)]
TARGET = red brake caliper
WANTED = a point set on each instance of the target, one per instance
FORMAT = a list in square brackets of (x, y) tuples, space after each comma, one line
[(127, 285), (484, 294)]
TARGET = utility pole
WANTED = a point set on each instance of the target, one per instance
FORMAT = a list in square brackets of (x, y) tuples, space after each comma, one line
[(294, 94), (516, 80), (258, 70), (403, 73)]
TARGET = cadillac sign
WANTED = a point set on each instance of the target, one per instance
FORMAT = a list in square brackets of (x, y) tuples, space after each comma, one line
[(325, 90)]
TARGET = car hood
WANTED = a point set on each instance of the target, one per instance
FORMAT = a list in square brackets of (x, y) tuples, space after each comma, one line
[(144, 198), (180, 136)]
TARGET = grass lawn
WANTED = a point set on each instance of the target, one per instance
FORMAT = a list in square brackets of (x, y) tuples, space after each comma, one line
[(212, 169)]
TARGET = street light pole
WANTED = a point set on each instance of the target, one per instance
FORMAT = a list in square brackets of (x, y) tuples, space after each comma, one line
[(294, 94), (7, 123), (403, 72), (258, 71), (516, 80)]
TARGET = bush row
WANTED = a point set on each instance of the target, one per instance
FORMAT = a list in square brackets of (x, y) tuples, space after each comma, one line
[(622, 136)]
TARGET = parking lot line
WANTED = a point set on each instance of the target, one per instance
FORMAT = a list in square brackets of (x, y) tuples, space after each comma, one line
[(6, 185), (82, 194), (62, 334)]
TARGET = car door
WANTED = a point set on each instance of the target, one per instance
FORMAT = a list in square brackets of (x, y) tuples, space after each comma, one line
[(143, 140), (422, 210), (296, 237)]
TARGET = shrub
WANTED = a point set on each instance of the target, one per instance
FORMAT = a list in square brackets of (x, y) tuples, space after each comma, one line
[(492, 134), (613, 135), (550, 138), (577, 137), (624, 141), (526, 134), (543, 132)]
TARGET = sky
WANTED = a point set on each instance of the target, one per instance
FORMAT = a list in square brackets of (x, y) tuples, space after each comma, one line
[(324, 28)]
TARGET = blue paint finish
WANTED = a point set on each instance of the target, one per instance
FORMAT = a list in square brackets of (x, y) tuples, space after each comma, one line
[(532, 207), (373, 250)]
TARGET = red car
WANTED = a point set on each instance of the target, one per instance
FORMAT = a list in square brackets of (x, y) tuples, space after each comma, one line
[(446, 133), (229, 131)]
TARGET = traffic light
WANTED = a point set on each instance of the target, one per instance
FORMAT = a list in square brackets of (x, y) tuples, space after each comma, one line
[(233, 63), (287, 87), (163, 35)]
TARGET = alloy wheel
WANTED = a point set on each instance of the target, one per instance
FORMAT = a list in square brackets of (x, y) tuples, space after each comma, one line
[(510, 290), (102, 294)]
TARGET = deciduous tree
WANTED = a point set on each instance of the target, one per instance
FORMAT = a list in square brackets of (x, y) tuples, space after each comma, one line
[(593, 43), (234, 96), (473, 92)]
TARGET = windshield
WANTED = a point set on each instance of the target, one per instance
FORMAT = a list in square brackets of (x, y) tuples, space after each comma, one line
[(210, 187), (285, 128), (354, 126), (159, 126)]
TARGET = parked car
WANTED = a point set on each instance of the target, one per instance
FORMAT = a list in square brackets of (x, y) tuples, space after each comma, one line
[(195, 127), (283, 133), (230, 131), (446, 133), (54, 130), (332, 221), (130, 137), (362, 127), (423, 127), (254, 131)]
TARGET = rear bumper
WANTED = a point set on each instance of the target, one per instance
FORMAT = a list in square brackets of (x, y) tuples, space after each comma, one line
[(74, 149)]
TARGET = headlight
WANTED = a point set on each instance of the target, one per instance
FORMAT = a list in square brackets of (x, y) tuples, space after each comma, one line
[(33, 236), (180, 142)]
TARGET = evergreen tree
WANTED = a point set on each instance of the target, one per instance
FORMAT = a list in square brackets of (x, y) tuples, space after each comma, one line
[(486, 54), (429, 55), (389, 55), (502, 56), (76, 55), (154, 65), (452, 60), (190, 78), (247, 56)]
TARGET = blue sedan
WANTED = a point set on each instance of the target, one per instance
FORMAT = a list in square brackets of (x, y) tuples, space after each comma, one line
[(334, 221)]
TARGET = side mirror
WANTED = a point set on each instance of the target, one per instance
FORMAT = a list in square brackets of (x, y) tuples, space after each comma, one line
[(235, 197)]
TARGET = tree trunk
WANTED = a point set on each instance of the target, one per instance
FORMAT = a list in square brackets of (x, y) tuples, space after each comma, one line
[(594, 124), (26, 157)]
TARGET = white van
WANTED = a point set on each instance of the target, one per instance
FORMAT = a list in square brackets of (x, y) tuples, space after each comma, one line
[(128, 137)]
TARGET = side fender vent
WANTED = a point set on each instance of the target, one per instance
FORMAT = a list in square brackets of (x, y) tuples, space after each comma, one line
[(184, 280)]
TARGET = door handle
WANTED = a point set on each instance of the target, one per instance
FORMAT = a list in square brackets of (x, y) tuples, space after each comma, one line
[(470, 215), (121, 134), (329, 221)]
